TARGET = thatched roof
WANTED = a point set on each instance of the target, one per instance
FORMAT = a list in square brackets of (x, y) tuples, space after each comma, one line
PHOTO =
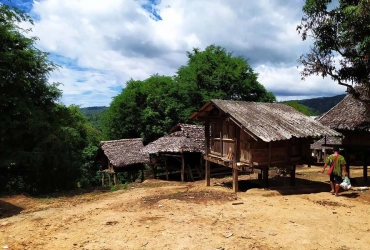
[(318, 145), (267, 121), (349, 114), (125, 152), (182, 138)]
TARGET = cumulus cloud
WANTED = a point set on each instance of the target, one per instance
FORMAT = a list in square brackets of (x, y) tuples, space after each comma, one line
[(101, 45)]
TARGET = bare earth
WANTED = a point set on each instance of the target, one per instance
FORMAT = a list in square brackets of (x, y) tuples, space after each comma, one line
[(157, 214)]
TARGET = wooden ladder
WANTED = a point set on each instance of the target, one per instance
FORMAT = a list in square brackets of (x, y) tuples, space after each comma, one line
[(194, 173)]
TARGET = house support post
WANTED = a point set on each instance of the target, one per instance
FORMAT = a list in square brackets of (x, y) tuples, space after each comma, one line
[(365, 165), (166, 166), (347, 156), (115, 178), (142, 175), (182, 168), (265, 172), (102, 179), (235, 180), (208, 173), (292, 175)]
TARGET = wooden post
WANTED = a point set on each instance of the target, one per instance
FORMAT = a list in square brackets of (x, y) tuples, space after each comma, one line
[(265, 172), (142, 175), (235, 180), (102, 179), (347, 157), (266, 176), (166, 166), (221, 139), (182, 168), (365, 165), (109, 179), (115, 178), (260, 176), (208, 173), (292, 175)]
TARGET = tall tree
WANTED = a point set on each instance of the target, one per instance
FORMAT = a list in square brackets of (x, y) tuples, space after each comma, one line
[(146, 109), (216, 73), (42, 143), (341, 50)]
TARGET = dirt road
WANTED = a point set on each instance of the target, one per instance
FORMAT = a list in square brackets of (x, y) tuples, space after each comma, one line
[(157, 214)]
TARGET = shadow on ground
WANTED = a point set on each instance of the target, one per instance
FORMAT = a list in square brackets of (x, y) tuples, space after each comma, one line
[(8, 209), (282, 185)]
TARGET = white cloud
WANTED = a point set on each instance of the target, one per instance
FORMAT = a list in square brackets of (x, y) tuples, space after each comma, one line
[(117, 40)]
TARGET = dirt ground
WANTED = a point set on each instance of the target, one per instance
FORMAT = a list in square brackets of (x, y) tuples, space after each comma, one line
[(157, 214)]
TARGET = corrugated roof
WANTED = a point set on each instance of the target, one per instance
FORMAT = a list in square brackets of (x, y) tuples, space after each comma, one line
[(349, 114), (125, 152), (182, 138), (269, 121)]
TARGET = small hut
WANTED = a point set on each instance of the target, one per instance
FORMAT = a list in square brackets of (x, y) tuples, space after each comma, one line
[(125, 155), (320, 150), (351, 118), (182, 148), (248, 136)]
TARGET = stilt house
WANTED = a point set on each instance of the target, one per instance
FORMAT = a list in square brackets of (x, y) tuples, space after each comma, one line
[(319, 149), (251, 136), (181, 150), (351, 118), (125, 155)]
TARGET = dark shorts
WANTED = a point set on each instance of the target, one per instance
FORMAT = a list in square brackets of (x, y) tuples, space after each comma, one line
[(336, 178)]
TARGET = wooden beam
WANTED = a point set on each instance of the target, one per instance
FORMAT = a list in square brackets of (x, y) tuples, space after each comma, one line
[(265, 173), (182, 168), (166, 167), (235, 180), (292, 175), (102, 178), (115, 178), (206, 141), (365, 165), (208, 173)]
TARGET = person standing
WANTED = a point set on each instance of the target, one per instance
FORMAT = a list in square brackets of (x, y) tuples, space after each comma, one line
[(339, 169)]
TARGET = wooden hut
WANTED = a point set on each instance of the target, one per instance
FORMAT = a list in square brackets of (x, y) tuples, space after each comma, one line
[(248, 135), (351, 118), (125, 155), (320, 148), (184, 145)]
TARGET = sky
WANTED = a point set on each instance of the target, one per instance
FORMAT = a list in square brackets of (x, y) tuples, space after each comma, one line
[(101, 44)]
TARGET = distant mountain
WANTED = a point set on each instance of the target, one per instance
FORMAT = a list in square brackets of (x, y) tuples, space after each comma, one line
[(322, 104), (94, 115), (93, 110)]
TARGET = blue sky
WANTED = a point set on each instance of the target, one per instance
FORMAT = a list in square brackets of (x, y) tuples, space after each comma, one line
[(103, 44)]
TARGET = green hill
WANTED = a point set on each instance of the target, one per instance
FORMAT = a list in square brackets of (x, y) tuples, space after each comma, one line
[(322, 104), (94, 115)]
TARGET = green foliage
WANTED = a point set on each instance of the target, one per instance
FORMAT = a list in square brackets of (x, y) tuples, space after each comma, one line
[(149, 108), (216, 74), (94, 116), (302, 108), (44, 146), (341, 34)]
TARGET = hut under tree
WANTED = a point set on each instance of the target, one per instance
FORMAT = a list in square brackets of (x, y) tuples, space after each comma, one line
[(252, 136), (181, 150), (351, 117), (125, 155), (320, 151)]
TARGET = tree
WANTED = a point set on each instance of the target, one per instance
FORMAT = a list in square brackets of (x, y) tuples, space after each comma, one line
[(216, 73), (43, 144), (341, 49), (146, 109)]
